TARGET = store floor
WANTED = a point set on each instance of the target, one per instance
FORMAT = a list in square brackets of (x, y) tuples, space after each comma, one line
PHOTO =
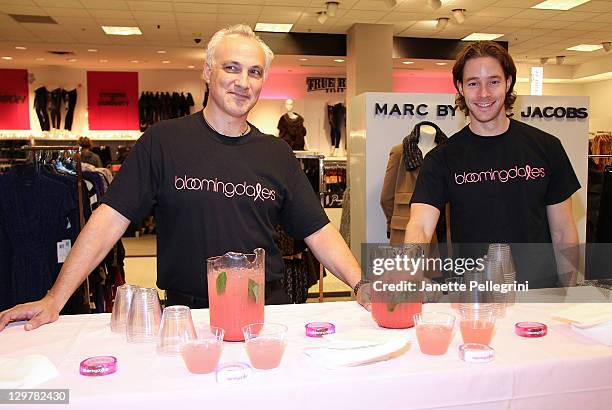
[(141, 270)]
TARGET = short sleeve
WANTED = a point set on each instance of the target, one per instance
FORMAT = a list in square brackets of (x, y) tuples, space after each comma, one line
[(431, 186), (562, 178), (302, 213), (133, 192)]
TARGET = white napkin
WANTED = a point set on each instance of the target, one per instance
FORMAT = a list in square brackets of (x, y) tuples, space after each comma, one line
[(601, 333), (26, 372), (360, 346), (587, 314)]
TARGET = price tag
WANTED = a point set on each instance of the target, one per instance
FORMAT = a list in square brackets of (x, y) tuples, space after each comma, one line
[(63, 249)]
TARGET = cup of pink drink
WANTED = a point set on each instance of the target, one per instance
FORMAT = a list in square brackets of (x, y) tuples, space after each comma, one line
[(202, 354), (265, 344), (434, 331), (477, 322)]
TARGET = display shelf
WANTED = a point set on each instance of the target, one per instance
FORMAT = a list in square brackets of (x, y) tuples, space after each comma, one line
[(65, 136)]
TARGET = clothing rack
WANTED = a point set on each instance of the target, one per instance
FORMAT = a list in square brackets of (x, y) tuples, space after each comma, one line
[(601, 156), (35, 148)]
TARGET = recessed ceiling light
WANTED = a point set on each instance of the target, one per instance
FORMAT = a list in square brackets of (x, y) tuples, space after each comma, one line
[(441, 63), (303, 59), (407, 62), (7, 58), (133, 61), (165, 61), (161, 51), (481, 37), (20, 48), (339, 60), (559, 4), (72, 60), (39, 59), (273, 27), (92, 50), (122, 31), (190, 66), (586, 47), (103, 60)]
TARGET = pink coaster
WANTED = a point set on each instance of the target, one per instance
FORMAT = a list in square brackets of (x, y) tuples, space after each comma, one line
[(318, 329), (98, 366), (530, 329)]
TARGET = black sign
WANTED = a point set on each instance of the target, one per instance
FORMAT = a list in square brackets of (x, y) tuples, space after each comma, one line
[(555, 112), (332, 199), (329, 84), (113, 98), (12, 99), (441, 110)]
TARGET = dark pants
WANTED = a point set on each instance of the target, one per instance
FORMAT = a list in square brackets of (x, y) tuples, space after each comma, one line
[(275, 295), (72, 99)]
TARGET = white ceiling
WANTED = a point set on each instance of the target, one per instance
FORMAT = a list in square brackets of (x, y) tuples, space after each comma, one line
[(172, 26)]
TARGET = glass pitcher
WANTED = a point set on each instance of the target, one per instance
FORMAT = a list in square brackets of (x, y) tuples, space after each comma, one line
[(236, 291)]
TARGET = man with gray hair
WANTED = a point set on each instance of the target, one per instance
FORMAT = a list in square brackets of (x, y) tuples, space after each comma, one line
[(216, 183)]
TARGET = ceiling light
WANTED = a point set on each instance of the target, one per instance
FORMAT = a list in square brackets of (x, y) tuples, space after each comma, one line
[(339, 60), (559, 4), (39, 59), (161, 51), (407, 62), (133, 61), (459, 15), (441, 63), (7, 58), (322, 17), (543, 60), (273, 27), (20, 48), (332, 8), (103, 60), (434, 4), (303, 59), (122, 31), (92, 50), (72, 60), (190, 66), (585, 47), (390, 3), (607, 45), (442, 23), (165, 61), (481, 37), (560, 59)]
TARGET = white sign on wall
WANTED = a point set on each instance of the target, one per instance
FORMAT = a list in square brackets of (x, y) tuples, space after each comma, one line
[(537, 79)]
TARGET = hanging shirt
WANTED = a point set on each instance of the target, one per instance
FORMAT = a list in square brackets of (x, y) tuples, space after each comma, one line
[(213, 194)]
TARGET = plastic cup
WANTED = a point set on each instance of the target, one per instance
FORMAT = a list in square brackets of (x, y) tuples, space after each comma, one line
[(454, 296), (175, 330), (144, 316), (121, 307), (265, 344), (434, 331), (477, 323), (201, 355)]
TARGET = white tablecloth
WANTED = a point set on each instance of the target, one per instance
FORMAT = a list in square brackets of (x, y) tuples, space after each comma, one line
[(560, 371)]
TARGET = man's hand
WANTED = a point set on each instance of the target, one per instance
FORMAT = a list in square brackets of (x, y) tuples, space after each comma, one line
[(364, 296), (36, 313)]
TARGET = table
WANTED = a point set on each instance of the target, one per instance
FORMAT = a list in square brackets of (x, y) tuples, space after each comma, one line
[(560, 371)]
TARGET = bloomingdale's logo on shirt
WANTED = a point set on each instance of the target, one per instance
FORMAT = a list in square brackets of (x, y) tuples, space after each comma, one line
[(229, 189), (526, 172)]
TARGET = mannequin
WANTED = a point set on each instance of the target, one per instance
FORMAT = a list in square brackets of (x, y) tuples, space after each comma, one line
[(291, 127), (427, 138)]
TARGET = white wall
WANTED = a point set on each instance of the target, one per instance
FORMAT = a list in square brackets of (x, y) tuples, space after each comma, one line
[(566, 89), (600, 112)]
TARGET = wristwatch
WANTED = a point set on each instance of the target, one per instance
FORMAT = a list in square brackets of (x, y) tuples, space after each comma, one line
[(359, 285)]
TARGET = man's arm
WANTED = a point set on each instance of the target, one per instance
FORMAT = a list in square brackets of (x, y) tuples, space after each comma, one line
[(331, 250), (96, 239), (422, 223), (565, 241)]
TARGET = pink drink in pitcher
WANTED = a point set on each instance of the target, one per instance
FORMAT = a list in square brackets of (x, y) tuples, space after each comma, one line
[(236, 292)]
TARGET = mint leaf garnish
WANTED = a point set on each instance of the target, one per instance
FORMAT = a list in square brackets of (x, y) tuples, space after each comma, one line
[(254, 290), (221, 282)]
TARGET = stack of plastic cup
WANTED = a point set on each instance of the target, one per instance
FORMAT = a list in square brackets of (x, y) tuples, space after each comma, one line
[(501, 252), (144, 316), (477, 322), (454, 296), (176, 329), (121, 307), (493, 269)]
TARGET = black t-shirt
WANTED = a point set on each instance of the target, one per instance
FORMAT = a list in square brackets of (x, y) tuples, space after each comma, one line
[(498, 186), (213, 194)]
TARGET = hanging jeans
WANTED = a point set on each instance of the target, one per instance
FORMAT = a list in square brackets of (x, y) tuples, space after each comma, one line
[(57, 96), (40, 106), (71, 97)]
